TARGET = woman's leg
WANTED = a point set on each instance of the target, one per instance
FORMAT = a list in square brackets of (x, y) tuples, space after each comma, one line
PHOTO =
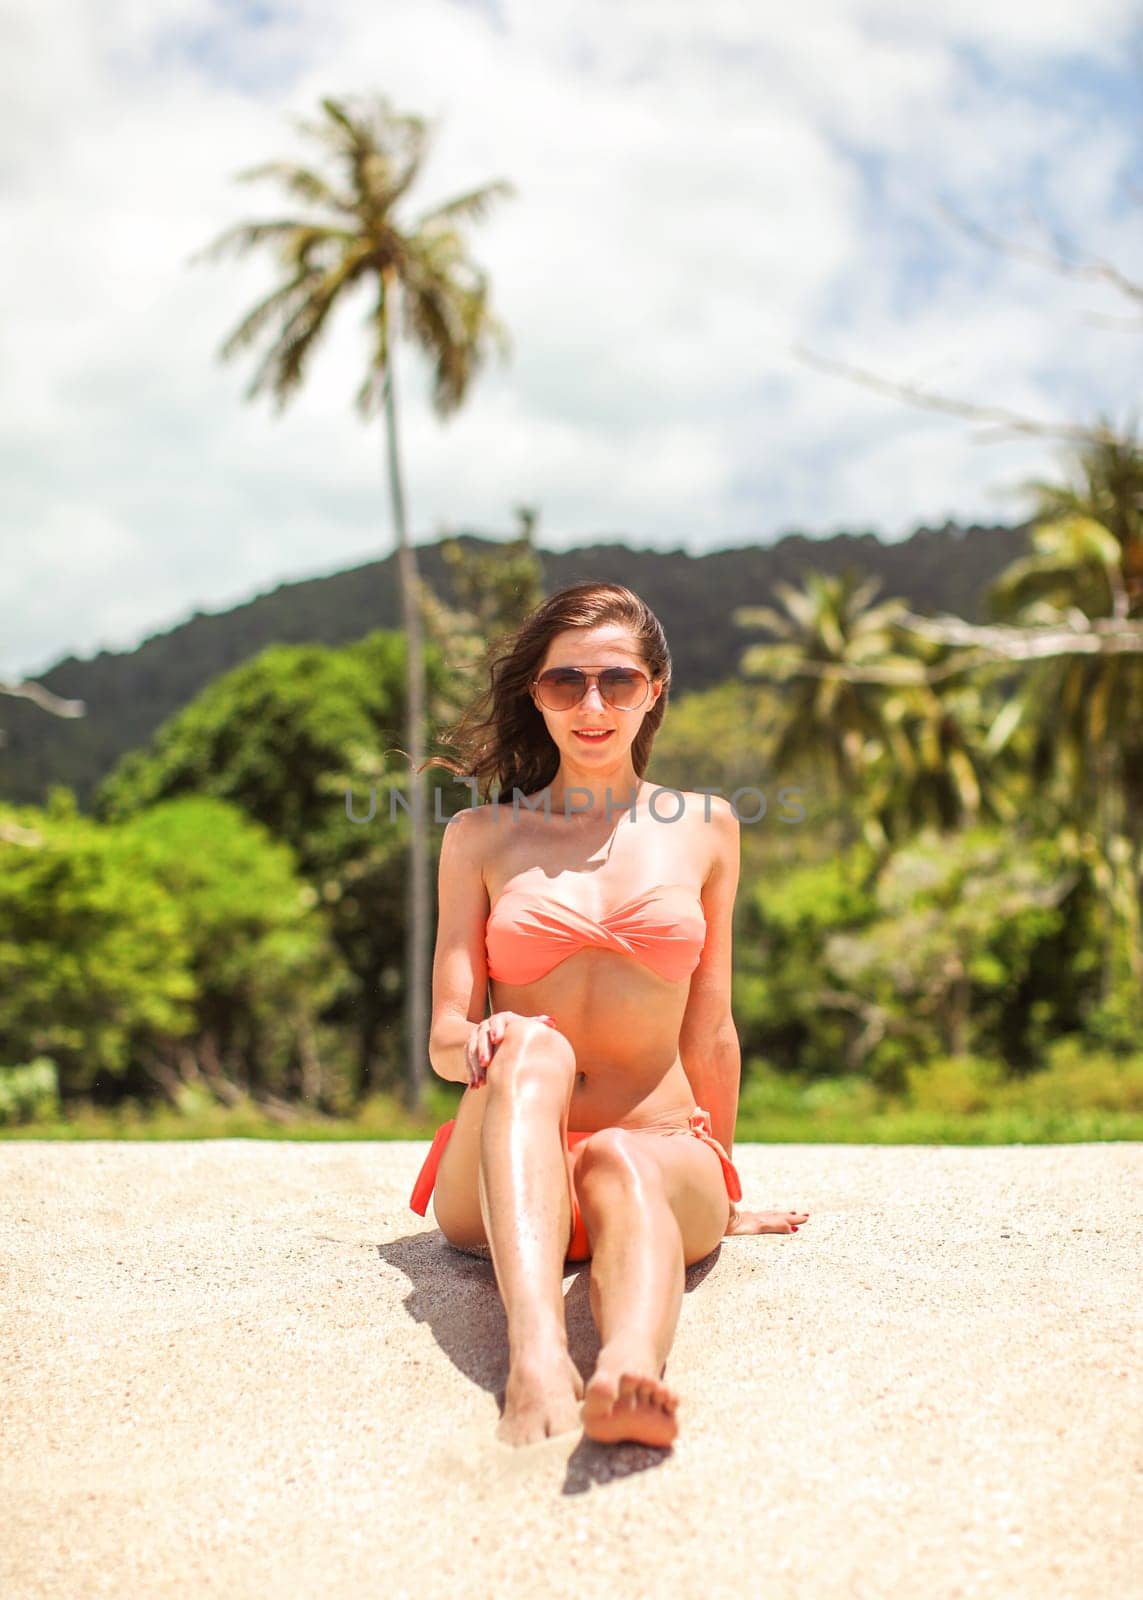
[(652, 1206), (523, 1181), (505, 1180)]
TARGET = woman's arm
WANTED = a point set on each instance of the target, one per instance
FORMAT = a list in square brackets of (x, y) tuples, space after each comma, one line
[(460, 965), (708, 1041)]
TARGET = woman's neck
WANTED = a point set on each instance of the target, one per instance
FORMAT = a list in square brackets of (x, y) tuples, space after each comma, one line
[(599, 800)]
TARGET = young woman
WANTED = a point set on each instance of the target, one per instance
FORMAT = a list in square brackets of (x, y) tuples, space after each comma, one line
[(599, 909)]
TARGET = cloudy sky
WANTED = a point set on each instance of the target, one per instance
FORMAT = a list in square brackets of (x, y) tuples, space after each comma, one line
[(700, 187)]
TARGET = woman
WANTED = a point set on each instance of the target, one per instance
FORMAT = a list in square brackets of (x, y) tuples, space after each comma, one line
[(604, 927)]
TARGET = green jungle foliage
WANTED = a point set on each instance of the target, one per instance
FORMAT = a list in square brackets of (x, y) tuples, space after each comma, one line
[(298, 739), (980, 944), (124, 947)]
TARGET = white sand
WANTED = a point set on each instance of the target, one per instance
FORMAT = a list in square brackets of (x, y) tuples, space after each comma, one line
[(245, 1369)]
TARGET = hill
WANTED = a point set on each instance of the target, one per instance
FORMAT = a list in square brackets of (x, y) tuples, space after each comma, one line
[(130, 693)]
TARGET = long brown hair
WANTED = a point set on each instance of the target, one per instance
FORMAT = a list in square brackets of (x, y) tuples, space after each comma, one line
[(502, 737)]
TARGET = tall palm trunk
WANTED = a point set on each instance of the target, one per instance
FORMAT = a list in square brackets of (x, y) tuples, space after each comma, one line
[(417, 882)]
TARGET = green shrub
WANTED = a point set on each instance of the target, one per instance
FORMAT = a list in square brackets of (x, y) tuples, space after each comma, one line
[(843, 1097), (29, 1093), (93, 951), (1079, 1079), (954, 1084)]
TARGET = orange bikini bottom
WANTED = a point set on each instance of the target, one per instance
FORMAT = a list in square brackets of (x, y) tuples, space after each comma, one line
[(579, 1249)]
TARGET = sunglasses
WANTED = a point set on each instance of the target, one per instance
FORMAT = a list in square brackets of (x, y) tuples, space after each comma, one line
[(561, 688)]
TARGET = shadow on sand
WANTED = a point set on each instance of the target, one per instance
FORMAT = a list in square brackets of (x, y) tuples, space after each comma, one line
[(455, 1293)]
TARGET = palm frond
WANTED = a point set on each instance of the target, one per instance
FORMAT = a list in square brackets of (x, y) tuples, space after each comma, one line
[(299, 239), (882, 616), (831, 633), (240, 238), (860, 597), (276, 303), (458, 364), (338, 112), (301, 181), (1077, 540), (283, 368), (473, 206), (377, 140), (760, 617), (798, 603), (404, 180), (444, 300), (1008, 719)]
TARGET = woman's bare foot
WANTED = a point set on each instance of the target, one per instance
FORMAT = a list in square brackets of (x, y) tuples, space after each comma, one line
[(765, 1221), (624, 1400), (541, 1398)]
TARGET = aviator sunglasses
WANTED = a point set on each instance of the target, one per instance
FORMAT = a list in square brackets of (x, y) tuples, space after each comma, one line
[(561, 688)]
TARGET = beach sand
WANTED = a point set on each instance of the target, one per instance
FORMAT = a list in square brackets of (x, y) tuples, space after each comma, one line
[(245, 1369)]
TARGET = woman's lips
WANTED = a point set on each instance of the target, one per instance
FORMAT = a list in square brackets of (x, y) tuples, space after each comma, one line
[(600, 737)]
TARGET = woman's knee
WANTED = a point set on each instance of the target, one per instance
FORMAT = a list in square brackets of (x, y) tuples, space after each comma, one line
[(531, 1052), (617, 1155)]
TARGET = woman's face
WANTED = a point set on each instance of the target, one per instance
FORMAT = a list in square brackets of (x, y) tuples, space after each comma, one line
[(595, 650)]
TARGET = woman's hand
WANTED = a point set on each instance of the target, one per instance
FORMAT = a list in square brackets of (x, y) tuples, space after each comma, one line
[(484, 1038), (764, 1221)]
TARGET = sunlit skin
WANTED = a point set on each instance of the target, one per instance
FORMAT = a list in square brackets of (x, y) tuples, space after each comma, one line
[(626, 1052)]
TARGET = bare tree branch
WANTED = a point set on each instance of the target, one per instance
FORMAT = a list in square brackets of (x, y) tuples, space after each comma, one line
[(44, 698), (984, 646), (1080, 636), (1100, 319), (1091, 269), (1002, 420), (12, 833), (914, 676)]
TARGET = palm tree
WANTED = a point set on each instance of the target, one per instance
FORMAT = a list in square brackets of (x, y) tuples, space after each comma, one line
[(1087, 711), (939, 768), (348, 237), (1106, 489), (828, 637)]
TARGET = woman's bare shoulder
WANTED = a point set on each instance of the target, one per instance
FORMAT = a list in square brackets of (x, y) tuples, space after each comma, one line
[(471, 838), (705, 802), (712, 814), (714, 830), (464, 837)]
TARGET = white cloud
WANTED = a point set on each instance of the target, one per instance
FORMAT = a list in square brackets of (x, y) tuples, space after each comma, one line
[(698, 189)]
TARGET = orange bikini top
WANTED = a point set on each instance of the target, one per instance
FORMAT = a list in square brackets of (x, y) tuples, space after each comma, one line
[(527, 933)]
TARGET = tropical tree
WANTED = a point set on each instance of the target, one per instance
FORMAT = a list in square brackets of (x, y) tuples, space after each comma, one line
[(180, 945), (499, 587), (886, 712), (1086, 566), (973, 942), (939, 769), (350, 236), (297, 737), (1079, 603), (828, 635), (493, 590), (95, 955), (1089, 538)]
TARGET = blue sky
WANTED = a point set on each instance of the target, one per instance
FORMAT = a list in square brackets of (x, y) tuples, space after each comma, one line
[(699, 190)]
